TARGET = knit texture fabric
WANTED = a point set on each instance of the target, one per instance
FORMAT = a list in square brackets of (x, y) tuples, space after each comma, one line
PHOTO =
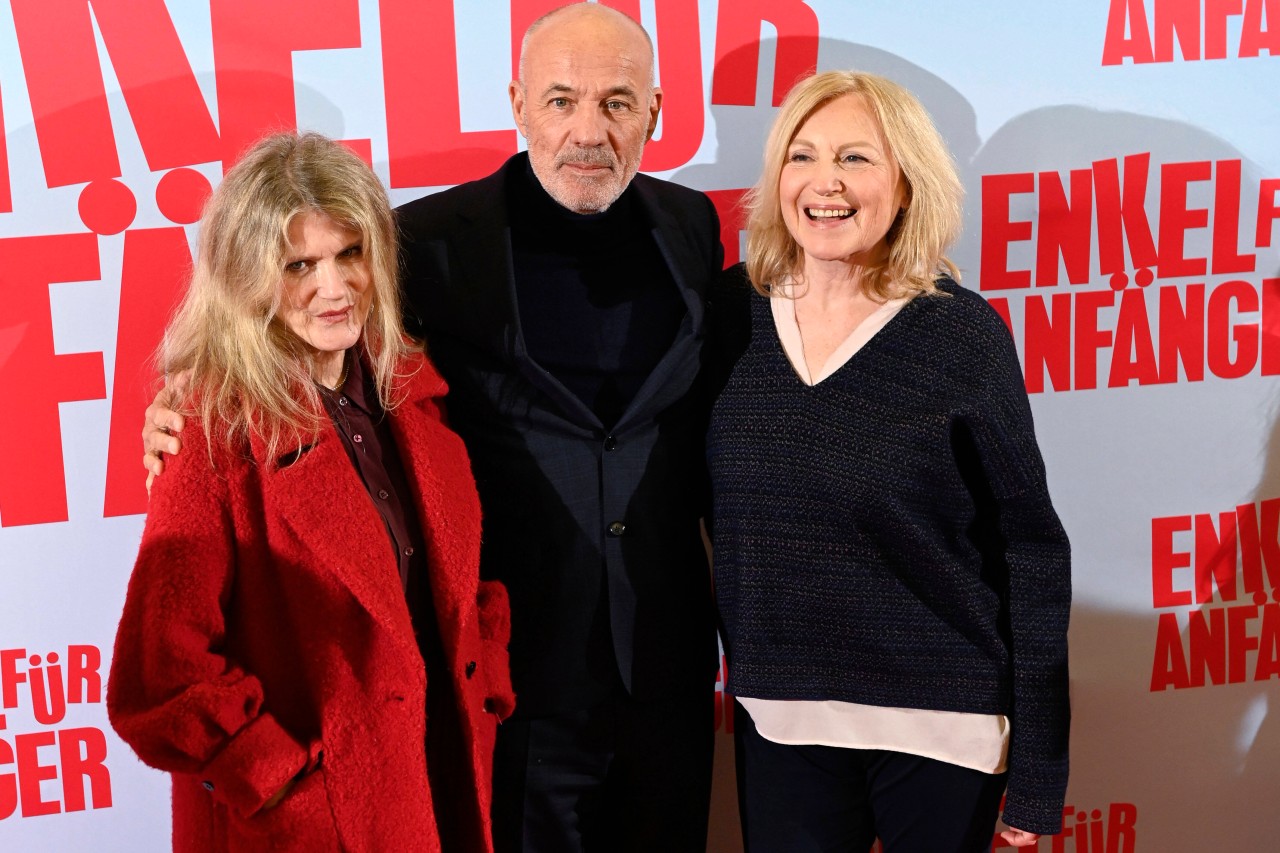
[(886, 536)]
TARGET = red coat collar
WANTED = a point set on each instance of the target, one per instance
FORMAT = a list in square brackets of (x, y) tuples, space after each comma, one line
[(319, 498)]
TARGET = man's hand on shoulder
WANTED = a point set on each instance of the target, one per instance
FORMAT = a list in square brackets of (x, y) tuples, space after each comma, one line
[(161, 428)]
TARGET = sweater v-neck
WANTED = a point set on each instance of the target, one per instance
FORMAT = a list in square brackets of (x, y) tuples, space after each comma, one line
[(788, 329)]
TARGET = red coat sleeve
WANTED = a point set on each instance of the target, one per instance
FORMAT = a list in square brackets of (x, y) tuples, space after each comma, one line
[(173, 695)]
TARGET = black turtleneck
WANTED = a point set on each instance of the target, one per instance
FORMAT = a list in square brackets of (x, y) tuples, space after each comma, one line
[(597, 303)]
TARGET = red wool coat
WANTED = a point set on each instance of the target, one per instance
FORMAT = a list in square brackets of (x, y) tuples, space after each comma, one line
[(265, 636)]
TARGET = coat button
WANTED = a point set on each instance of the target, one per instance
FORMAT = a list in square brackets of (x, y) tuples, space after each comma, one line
[(471, 668), (610, 443), (490, 707), (207, 785), (617, 528)]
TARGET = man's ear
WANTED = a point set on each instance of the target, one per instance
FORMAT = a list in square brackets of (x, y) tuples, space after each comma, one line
[(515, 91), (655, 105)]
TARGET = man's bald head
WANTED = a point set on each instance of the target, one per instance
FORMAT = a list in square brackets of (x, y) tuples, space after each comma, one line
[(585, 12)]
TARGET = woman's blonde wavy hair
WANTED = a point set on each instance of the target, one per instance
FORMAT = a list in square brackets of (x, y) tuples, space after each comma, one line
[(249, 374), (921, 233)]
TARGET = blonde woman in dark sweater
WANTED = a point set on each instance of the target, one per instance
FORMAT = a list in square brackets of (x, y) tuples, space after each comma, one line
[(893, 581)]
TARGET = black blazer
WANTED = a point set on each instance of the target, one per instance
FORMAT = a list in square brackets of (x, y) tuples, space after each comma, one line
[(595, 533)]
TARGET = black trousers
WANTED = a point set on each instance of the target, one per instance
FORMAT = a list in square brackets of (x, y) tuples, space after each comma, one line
[(620, 776), (823, 799)]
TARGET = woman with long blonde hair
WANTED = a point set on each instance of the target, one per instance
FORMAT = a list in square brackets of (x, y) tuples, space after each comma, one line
[(306, 646), (892, 579)]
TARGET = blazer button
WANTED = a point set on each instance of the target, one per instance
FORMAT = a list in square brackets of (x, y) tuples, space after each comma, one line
[(610, 443), (207, 785), (617, 528), (490, 707), (471, 668)]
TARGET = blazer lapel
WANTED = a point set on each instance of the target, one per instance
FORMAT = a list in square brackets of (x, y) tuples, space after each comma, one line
[(671, 378), (483, 257), (483, 284)]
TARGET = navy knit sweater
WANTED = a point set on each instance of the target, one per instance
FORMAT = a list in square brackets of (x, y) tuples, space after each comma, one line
[(886, 537)]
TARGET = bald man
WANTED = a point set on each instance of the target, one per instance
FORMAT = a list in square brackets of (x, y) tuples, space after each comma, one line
[(562, 299)]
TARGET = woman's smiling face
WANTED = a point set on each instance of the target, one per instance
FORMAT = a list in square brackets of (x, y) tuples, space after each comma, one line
[(841, 188)]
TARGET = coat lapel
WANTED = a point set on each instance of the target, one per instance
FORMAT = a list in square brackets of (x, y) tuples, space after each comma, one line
[(319, 502), (445, 498)]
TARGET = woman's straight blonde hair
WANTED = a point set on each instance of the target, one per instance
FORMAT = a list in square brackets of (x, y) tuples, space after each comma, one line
[(249, 373), (920, 235)]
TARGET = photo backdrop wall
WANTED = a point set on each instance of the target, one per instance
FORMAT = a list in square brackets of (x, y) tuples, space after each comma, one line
[(1122, 166)]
